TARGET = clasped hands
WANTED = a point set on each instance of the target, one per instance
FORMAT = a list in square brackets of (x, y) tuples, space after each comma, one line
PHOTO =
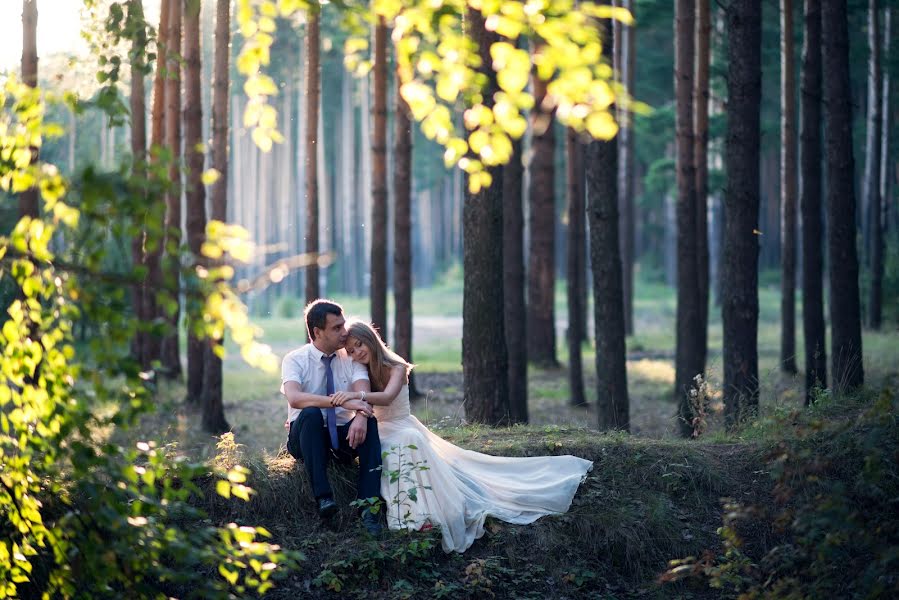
[(351, 401)]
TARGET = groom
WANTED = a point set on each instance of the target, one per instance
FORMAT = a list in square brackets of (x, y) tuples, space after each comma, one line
[(318, 431)]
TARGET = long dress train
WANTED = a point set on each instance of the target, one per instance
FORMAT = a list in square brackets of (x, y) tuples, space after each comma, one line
[(427, 479)]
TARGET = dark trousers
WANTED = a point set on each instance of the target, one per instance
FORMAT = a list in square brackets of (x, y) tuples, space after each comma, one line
[(308, 441)]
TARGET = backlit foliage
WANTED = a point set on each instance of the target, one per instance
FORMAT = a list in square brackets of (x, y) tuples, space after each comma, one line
[(441, 71), (81, 515)]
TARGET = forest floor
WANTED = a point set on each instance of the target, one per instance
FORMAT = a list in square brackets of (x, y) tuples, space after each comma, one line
[(650, 498)]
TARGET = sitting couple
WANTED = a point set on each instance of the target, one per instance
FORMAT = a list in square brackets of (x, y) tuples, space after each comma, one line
[(348, 395)]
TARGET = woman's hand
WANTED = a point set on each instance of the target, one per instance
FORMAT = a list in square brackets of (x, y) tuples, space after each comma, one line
[(338, 398)]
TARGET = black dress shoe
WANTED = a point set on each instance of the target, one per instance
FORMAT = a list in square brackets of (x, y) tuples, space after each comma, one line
[(327, 508), (371, 523)]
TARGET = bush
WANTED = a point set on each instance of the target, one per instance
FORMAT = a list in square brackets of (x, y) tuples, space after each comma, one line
[(833, 513)]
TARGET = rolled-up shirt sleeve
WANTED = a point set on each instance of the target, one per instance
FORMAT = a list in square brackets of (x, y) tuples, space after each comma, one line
[(359, 372), (292, 370)]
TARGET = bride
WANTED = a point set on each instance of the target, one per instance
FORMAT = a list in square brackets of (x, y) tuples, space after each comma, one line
[(427, 481)]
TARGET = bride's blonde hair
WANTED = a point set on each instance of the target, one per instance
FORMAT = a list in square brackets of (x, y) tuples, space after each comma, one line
[(381, 357)]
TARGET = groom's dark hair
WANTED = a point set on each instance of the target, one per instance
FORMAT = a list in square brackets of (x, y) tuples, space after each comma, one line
[(316, 315)]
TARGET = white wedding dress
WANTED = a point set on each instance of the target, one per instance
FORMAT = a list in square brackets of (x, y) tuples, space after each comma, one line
[(459, 488)]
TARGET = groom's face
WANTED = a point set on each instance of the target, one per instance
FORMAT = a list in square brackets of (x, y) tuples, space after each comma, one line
[(333, 336)]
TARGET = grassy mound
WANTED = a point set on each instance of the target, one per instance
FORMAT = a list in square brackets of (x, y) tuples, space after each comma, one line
[(645, 502)]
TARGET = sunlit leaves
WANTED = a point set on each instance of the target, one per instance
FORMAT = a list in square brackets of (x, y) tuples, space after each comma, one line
[(439, 69)]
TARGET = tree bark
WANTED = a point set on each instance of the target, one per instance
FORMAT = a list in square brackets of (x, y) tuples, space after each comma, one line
[(739, 303), (541, 275), (485, 360), (845, 312), (788, 192), (156, 204), (402, 233), (313, 91), (871, 184), (196, 191), (28, 200), (886, 123), (612, 403), (213, 407), (627, 65), (813, 326), (515, 312), (577, 272), (701, 162), (688, 353), (378, 289), (171, 359), (139, 171)]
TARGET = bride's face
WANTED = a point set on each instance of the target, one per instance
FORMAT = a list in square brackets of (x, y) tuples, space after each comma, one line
[(356, 350)]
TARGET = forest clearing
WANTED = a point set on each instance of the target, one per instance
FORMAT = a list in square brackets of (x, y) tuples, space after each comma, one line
[(449, 299)]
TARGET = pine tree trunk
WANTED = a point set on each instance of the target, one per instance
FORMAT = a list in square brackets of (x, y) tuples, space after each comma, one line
[(541, 275), (139, 157), (701, 162), (378, 290), (788, 191), (871, 183), (402, 236), (886, 122), (313, 91), (196, 191), (213, 407), (688, 352), (612, 403), (845, 312), (28, 200), (484, 356), (156, 205), (515, 313), (739, 302), (810, 203), (171, 359), (576, 271), (627, 64)]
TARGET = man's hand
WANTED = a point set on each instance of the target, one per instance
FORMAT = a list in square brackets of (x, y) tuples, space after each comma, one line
[(358, 405), (339, 398), (356, 433)]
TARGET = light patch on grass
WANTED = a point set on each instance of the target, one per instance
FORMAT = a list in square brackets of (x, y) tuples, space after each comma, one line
[(654, 371)]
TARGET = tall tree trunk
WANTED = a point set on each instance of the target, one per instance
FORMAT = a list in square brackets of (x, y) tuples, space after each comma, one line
[(788, 185), (886, 122), (402, 233), (139, 157), (213, 407), (813, 326), (196, 191), (612, 403), (541, 329), (871, 183), (485, 361), (156, 204), (378, 290), (28, 200), (313, 91), (701, 162), (845, 312), (577, 272), (515, 312), (627, 65), (688, 352), (171, 359), (740, 302)]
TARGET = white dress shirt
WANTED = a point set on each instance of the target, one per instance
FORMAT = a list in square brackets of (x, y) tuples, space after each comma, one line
[(304, 365)]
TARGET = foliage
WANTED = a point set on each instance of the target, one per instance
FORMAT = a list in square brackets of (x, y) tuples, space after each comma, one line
[(440, 70), (834, 485), (79, 514)]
